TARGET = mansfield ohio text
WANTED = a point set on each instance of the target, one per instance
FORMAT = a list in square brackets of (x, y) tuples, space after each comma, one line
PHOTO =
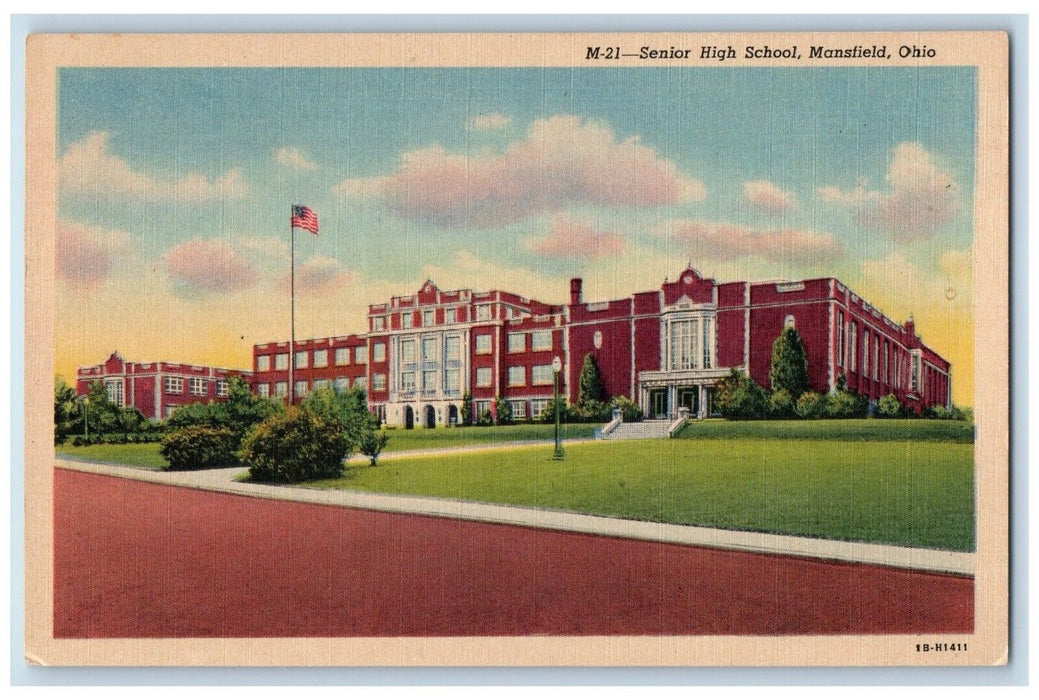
[(718, 52)]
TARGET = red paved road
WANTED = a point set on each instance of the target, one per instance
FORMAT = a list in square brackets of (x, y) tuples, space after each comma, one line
[(134, 559)]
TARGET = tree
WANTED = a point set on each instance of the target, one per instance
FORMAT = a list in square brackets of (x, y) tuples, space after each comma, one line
[(502, 411), (293, 446), (789, 369), (242, 411), (347, 409), (589, 386), (739, 397), (66, 411), (372, 443), (467, 408)]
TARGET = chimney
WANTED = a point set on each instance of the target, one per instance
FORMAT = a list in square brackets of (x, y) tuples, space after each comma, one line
[(575, 290)]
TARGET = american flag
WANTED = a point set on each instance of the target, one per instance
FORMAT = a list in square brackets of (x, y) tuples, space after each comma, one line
[(304, 217)]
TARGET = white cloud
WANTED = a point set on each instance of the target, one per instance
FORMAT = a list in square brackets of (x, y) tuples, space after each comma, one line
[(921, 197), (88, 168), (490, 121), (293, 158), (768, 197)]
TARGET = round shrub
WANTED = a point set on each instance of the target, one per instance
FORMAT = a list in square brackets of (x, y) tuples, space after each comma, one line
[(298, 445), (889, 406), (199, 447), (780, 405), (812, 405)]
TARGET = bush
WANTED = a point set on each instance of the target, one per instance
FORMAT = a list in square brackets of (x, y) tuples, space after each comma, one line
[(812, 405), (372, 443), (589, 411), (631, 412), (199, 447), (548, 413), (295, 446), (739, 397), (780, 405), (847, 404), (503, 411), (889, 407)]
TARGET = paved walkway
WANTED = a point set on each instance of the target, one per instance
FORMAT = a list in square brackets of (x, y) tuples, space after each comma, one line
[(223, 480)]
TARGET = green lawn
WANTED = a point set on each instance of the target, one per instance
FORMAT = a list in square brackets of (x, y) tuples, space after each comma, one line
[(432, 438), (908, 493), (137, 455), (871, 430)]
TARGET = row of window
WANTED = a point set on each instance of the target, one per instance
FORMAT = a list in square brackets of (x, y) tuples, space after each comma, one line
[(518, 406), (540, 375), (881, 359), (303, 387), (690, 345), (427, 317), (430, 347), (320, 358), (197, 386), (452, 383), (539, 341)]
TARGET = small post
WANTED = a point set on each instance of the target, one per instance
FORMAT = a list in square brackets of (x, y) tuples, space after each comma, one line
[(86, 416), (557, 365)]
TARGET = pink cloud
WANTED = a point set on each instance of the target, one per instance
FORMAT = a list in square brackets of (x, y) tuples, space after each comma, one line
[(723, 241), (921, 197), (85, 254), (768, 197), (570, 238), (562, 160), (318, 274), (88, 167), (210, 266)]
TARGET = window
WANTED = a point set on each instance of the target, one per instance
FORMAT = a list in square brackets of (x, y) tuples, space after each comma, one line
[(537, 406), (429, 381), (361, 355), (914, 369), (379, 352), (519, 409), (263, 363), (320, 384), (706, 344), (379, 323), (517, 376), (342, 356), (451, 316), (452, 348), (301, 388), (876, 356), (542, 340), (321, 358), (540, 375), (886, 375), (840, 338), (281, 361), (407, 382), (221, 388), (407, 351), (452, 381), (865, 352), (517, 342), (852, 345), (263, 390), (483, 376), (483, 344), (281, 388), (597, 339), (480, 408), (483, 312), (361, 383), (342, 383), (114, 389), (684, 344), (378, 382), (789, 322), (429, 349), (174, 385), (301, 359), (197, 386), (428, 318), (407, 319)]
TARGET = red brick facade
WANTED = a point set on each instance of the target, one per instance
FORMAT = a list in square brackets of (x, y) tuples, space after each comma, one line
[(156, 388)]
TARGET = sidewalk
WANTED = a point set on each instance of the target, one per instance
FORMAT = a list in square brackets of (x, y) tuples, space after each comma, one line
[(222, 480)]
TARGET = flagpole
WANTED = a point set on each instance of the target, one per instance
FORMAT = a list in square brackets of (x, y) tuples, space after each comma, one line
[(292, 294)]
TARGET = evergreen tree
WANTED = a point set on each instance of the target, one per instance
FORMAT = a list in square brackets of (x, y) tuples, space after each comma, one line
[(789, 370), (66, 411), (590, 387)]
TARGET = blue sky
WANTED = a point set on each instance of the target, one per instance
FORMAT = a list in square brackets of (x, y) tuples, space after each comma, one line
[(177, 183)]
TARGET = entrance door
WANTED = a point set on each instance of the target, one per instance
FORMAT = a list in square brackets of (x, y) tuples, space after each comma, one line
[(409, 418), (658, 403), (452, 415), (689, 397), (430, 417)]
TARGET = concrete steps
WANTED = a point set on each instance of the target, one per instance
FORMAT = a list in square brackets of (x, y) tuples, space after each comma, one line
[(646, 429)]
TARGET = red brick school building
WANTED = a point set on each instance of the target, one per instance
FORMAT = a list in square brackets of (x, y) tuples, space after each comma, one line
[(664, 348)]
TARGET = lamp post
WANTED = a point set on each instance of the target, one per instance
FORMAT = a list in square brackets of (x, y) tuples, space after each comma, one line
[(86, 406), (557, 365)]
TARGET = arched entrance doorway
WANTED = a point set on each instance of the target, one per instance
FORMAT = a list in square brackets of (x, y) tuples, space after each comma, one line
[(409, 418), (430, 417), (452, 415)]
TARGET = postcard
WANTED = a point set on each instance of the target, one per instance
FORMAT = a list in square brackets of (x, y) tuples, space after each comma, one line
[(517, 349)]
